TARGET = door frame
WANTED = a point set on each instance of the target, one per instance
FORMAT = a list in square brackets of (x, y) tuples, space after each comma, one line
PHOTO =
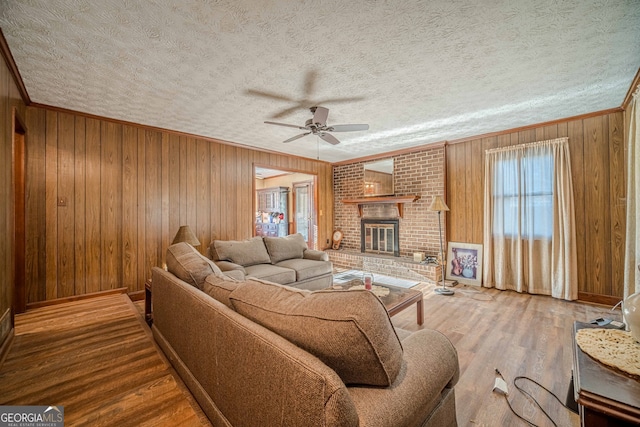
[(19, 152), (313, 176), (313, 220)]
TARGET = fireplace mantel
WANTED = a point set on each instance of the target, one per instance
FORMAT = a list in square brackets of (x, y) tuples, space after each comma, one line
[(399, 201)]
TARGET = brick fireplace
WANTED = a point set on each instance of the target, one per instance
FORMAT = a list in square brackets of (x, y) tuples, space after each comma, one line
[(420, 173)]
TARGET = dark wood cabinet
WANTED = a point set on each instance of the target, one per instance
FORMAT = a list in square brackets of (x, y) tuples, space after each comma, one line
[(605, 397), (272, 216), (269, 230)]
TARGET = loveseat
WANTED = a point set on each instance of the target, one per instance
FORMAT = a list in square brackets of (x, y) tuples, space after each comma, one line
[(283, 260), (255, 353)]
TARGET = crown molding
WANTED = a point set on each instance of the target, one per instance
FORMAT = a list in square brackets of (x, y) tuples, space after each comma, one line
[(388, 154), (536, 125), (170, 131)]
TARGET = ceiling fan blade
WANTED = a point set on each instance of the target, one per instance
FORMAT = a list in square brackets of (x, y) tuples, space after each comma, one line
[(269, 95), (337, 100), (310, 82), (296, 137), (320, 116), (347, 128), (285, 112), (329, 138), (284, 124)]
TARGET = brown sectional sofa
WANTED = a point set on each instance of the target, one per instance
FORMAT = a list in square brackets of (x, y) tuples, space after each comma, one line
[(283, 260), (257, 353)]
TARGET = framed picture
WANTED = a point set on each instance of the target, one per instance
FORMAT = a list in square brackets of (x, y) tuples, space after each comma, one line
[(464, 263)]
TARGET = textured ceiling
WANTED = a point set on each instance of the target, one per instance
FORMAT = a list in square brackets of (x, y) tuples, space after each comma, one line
[(420, 71)]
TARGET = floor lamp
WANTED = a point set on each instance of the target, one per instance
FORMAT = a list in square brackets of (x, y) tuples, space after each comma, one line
[(438, 205)]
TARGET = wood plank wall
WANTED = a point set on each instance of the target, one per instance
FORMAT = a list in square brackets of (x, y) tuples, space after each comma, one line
[(10, 104), (598, 170), (105, 199)]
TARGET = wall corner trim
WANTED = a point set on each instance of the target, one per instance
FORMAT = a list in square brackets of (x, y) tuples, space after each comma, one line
[(634, 84), (11, 64)]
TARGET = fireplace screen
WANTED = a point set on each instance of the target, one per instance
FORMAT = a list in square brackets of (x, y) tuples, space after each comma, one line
[(380, 237)]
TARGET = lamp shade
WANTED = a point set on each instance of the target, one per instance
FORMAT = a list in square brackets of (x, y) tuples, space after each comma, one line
[(185, 234), (438, 205)]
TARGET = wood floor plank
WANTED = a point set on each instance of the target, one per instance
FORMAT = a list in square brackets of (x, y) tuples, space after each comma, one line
[(521, 335), (96, 358)]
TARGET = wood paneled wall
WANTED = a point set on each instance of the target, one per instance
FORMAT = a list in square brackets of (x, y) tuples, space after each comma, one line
[(105, 199), (598, 171), (10, 104)]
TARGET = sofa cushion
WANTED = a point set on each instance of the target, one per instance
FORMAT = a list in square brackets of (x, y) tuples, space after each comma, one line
[(350, 331), (289, 247), (272, 273), (219, 288), (186, 263), (306, 268), (245, 252)]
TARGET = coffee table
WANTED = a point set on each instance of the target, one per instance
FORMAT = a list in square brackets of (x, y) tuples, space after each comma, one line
[(396, 300)]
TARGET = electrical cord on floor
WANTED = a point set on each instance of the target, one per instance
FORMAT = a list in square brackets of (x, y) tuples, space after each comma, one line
[(521, 390)]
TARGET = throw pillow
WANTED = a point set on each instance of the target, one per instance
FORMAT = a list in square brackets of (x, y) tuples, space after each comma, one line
[(350, 331), (185, 262), (245, 252), (282, 248)]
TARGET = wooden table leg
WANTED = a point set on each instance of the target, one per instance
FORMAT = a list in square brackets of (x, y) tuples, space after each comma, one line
[(420, 310), (148, 316)]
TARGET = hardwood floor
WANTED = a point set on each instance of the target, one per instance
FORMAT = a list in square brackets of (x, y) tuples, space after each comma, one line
[(521, 335), (97, 359)]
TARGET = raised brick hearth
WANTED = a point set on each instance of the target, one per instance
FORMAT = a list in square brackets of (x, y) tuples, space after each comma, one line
[(401, 267)]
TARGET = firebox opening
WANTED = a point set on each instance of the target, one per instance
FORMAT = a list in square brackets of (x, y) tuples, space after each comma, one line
[(380, 236)]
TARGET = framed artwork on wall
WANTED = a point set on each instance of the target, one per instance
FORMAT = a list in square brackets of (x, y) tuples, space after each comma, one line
[(464, 263)]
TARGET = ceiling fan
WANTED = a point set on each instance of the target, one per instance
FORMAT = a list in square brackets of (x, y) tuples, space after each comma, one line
[(308, 89), (318, 126)]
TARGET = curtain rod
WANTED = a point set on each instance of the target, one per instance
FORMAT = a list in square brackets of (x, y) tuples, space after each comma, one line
[(528, 145)]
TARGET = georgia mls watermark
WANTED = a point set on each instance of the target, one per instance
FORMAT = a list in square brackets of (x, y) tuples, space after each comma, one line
[(31, 416)]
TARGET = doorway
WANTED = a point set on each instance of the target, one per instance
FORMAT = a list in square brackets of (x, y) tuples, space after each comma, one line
[(19, 155), (304, 211), (299, 211)]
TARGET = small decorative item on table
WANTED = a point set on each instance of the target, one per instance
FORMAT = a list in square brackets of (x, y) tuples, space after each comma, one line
[(367, 279)]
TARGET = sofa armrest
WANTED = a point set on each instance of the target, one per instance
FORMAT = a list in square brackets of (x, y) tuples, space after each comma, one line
[(228, 266), (430, 367), (315, 255), (238, 275)]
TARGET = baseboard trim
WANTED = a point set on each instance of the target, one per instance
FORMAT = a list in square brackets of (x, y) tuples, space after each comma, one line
[(136, 295), (598, 299), (57, 301)]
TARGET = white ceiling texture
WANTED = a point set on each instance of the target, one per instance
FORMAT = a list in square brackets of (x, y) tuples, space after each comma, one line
[(417, 72)]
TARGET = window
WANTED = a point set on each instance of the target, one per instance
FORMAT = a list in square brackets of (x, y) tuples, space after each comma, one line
[(523, 196)]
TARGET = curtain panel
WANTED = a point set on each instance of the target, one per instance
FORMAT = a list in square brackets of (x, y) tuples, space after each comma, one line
[(529, 221), (632, 244)]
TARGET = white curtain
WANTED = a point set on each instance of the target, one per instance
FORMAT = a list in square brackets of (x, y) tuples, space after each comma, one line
[(529, 221), (632, 245)]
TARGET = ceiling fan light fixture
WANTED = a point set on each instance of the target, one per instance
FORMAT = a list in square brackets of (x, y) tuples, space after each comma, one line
[(317, 125)]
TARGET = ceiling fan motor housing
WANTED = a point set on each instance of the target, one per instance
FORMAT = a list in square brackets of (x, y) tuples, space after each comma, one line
[(317, 125)]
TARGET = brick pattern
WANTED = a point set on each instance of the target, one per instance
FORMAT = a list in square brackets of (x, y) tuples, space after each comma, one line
[(389, 266), (420, 173)]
